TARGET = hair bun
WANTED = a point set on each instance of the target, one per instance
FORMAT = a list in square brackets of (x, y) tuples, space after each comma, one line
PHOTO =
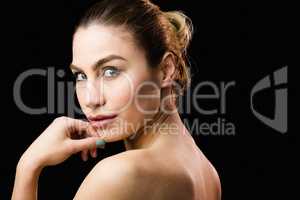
[(183, 27)]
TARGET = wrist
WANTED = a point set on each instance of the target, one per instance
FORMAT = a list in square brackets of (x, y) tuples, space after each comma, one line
[(31, 166), (26, 179)]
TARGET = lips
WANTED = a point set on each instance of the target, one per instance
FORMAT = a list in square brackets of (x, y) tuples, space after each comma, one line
[(101, 120)]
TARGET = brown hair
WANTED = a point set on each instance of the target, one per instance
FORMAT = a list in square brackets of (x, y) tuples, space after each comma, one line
[(157, 32)]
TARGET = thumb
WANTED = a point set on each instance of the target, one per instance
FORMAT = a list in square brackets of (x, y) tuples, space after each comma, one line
[(87, 143)]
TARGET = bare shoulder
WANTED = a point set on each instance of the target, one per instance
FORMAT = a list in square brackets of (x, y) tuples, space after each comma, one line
[(133, 175), (114, 177)]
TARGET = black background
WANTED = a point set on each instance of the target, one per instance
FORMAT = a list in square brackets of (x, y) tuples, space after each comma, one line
[(232, 42)]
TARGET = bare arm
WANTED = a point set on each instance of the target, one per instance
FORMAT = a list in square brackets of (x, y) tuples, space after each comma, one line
[(52, 147), (26, 181)]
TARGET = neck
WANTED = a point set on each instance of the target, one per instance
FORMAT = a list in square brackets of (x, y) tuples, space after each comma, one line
[(169, 129)]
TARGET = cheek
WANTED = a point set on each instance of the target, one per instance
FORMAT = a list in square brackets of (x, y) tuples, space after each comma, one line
[(119, 94), (143, 98), (80, 92), (147, 97), (147, 100)]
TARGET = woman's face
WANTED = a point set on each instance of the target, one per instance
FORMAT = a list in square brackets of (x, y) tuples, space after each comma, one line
[(113, 78)]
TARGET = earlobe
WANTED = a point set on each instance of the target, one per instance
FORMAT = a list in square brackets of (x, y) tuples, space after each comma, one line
[(168, 70)]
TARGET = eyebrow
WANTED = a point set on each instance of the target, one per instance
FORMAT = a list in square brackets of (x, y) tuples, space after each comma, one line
[(100, 62)]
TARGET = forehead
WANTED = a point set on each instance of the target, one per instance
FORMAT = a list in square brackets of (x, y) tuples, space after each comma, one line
[(96, 41)]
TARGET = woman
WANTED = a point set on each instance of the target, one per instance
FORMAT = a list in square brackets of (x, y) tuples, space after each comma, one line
[(130, 69)]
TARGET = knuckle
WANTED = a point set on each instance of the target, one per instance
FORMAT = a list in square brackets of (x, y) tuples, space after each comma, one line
[(61, 119), (58, 119)]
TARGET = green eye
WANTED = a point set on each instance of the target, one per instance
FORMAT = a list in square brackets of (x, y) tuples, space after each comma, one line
[(110, 72), (79, 76)]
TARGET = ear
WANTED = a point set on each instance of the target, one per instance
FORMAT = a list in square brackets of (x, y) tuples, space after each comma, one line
[(167, 69)]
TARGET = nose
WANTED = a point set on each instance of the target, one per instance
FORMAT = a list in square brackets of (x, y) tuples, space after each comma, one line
[(94, 97)]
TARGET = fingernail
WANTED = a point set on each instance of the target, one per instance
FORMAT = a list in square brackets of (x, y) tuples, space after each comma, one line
[(100, 144)]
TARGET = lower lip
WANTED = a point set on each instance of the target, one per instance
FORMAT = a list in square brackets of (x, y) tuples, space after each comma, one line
[(102, 123)]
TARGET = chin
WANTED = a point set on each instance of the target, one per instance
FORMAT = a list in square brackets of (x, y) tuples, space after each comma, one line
[(114, 133)]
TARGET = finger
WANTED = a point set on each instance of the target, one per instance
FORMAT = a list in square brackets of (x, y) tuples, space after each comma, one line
[(78, 126), (84, 155), (86, 144), (93, 152)]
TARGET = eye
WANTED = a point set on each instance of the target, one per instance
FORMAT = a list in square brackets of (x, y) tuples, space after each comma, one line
[(110, 71), (79, 76)]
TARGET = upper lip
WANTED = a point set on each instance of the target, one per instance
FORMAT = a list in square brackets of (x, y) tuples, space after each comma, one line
[(100, 117)]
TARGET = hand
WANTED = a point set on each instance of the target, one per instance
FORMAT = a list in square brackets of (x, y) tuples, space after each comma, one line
[(62, 138)]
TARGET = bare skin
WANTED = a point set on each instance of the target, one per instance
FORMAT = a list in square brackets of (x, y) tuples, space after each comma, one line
[(162, 163), (163, 166)]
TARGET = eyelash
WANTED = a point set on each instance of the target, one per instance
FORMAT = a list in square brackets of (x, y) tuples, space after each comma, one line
[(117, 71)]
